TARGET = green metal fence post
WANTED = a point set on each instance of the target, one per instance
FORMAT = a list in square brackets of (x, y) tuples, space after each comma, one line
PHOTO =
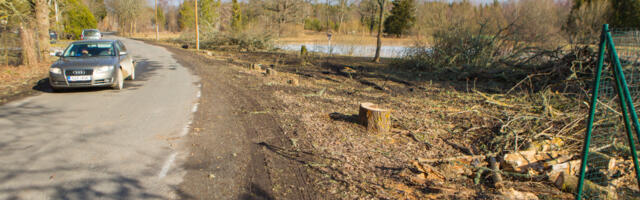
[(627, 124), (627, 95), (592, 111)]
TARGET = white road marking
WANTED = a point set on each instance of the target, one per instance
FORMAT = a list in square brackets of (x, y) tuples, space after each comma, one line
[(195, 107), (185, 130), (167, 165), (198, 94)]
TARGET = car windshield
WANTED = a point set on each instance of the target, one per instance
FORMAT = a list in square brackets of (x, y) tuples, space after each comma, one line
[(91, 33), (90, 49)]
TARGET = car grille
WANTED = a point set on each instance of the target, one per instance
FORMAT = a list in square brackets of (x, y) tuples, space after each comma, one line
[(76, 83), (78, 72), (100, 81)]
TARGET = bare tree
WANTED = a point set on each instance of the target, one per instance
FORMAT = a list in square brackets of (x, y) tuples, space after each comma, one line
[(376, 58), (127, 12), (283, 11), (42, 24), (18, 16), (29, 55)]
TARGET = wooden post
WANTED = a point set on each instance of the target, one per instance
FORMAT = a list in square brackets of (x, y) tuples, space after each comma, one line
[(376, 119), (197, 31), (157, 25)]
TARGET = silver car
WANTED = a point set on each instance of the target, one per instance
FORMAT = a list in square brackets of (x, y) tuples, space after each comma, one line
[(92, 63), (91, 34)]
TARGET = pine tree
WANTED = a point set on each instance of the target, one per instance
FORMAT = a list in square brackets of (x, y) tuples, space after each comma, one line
[(208, 15), (401, 19), (236, 16), (186, 17)]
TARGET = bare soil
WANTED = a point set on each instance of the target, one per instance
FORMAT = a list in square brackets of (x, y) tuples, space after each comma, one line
[(239, 144), (329, 150)]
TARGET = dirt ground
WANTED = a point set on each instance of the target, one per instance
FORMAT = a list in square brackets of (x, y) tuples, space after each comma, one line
[(303, 135), (238, 139)]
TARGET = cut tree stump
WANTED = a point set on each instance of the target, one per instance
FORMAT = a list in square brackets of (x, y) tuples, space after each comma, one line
[(376, 119), (293, 81), (271, 72), (255, 66)]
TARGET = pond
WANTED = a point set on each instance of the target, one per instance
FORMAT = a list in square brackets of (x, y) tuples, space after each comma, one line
[(349, 49)]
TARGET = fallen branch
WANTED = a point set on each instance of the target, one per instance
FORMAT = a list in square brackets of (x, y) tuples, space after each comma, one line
[(497, 178), (423, 160)]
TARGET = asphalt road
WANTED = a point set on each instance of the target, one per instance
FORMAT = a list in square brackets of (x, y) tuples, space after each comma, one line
[(102, 144)]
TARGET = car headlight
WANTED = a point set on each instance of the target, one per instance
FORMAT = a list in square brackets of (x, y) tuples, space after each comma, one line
[(55, 70), (103, 69)]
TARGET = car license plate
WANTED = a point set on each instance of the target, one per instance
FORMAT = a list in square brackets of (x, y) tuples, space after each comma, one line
[(78, 78)]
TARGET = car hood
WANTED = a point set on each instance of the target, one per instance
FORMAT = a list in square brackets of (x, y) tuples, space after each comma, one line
[(73, 62)]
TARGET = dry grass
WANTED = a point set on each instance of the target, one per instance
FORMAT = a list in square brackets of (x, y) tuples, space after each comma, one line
[(18, 79)]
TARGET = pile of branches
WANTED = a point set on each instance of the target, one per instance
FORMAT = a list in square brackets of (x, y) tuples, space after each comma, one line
[(243, 41)]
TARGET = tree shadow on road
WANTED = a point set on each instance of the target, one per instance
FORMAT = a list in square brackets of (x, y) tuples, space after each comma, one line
[(255, 192), (34, 166)]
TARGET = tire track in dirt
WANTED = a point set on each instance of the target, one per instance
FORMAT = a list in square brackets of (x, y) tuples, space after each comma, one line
[(230, 138)]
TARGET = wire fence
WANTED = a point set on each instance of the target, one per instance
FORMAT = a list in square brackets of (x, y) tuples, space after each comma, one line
[(9, 47), (610, 169)]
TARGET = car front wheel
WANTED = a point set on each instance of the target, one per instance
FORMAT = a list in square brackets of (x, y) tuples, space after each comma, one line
[(119, 84), (133, 74)]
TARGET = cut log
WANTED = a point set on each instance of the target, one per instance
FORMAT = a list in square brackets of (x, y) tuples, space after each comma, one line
[(376, 119), (271, 72), (520, 161), (601, 161), (569, 183), (512, 194), (571, 167)]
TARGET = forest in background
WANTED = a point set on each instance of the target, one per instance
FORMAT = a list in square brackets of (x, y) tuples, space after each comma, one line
[(542, 23)]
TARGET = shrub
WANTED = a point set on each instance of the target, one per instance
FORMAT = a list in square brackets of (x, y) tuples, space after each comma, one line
[(312, 24), (493, 36), (78, 17)]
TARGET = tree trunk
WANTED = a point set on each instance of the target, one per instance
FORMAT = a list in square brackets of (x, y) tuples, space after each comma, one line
[(42, 24), (29, 55), (379, 43), (376, 119)]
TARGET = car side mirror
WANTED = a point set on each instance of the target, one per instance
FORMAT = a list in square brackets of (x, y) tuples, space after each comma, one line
[(59, 54), (122, 53)]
